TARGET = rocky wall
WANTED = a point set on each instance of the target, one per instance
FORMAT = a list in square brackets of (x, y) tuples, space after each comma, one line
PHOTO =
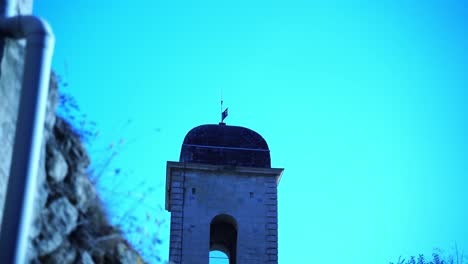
[(69, 224)]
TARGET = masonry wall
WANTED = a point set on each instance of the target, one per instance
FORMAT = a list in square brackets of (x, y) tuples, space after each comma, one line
[(69, 222), (11, 71), (197, 196)]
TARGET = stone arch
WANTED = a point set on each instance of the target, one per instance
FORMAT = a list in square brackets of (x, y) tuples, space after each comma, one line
[(223, 236)]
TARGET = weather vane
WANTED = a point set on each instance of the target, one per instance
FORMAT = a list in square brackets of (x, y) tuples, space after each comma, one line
[(224, 113)]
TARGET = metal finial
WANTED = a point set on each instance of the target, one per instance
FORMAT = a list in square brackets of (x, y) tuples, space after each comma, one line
[(224, 113)]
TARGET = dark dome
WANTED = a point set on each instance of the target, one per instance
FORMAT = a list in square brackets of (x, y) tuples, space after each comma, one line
[(225, 145)]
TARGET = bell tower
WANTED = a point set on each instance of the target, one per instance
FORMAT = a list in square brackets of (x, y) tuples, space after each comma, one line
[(222, 195)]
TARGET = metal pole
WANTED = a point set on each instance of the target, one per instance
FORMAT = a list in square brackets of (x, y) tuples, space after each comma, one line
[(18, 209)]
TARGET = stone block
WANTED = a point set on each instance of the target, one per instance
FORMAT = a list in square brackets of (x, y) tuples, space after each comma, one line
[(177, 196), (272, 208), (271, 196), (270, 238), (272, 226), (65, 254), (85, 258), (272, 251), (177, 220), (272, 244), (270, 202), (177, 214), (176, 184), (179, 178), (177, 190), (57, 167), (176, 226), (175, 238), (271, 213), (176, 207), (272, 220), (126, 255), (176, 202)]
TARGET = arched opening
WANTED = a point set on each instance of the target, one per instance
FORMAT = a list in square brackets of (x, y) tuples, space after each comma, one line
[(218, 257), (223, 238)]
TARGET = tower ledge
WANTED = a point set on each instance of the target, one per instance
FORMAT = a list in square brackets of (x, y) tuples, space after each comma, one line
[(237, 170)]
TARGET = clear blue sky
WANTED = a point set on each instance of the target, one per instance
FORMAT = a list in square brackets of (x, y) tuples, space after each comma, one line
[(363, 103)]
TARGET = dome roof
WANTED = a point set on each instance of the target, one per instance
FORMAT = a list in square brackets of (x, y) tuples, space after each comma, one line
[(225, 145)]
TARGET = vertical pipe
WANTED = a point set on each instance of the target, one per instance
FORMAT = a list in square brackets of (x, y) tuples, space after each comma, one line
[(7, 8), (22, 187)]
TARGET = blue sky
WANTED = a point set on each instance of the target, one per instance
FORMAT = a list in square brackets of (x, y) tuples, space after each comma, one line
[(364, 104)]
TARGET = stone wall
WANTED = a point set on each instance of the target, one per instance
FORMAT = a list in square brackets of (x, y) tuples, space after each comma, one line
[(198, 193), (69, 224), (11, 70)]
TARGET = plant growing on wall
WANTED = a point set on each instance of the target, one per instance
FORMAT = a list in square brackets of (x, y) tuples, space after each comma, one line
[(103, 168)]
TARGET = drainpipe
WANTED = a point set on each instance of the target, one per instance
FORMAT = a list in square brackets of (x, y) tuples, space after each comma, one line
[(22, 187)]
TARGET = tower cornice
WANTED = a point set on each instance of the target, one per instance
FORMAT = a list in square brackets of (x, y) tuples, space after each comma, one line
[(225, 169)]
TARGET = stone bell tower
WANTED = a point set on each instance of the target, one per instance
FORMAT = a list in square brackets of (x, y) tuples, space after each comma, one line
[(222, 195)]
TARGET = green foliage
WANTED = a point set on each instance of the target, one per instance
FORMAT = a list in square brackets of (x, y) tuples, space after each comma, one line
[(455, 258)]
